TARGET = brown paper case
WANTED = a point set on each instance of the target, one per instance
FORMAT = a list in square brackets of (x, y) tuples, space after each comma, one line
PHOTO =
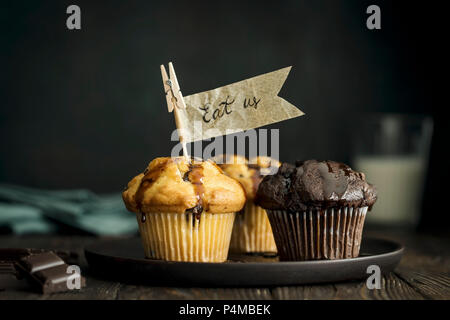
[(183, 237), (314, 235), (252, 231)]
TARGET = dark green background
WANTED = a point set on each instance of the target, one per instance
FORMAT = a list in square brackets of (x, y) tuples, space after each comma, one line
[(86, 108)]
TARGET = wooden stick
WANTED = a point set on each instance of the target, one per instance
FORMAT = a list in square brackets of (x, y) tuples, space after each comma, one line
[(175, 102)]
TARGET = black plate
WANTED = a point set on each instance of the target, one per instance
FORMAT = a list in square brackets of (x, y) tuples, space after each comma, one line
[(123, 260)]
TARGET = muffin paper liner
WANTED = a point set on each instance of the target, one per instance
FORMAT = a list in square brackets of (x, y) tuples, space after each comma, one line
[(252, 231), (183, 237), (334, 233)]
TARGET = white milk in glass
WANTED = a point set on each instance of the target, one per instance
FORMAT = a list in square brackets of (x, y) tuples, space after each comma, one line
[(399, 182)]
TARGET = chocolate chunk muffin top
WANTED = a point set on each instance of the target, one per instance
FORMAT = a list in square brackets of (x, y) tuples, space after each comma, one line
[(176, 185), (316, 185), (248, 172)]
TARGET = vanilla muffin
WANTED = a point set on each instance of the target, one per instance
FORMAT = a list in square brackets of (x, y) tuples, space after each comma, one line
[(185, 209), (252, 232)]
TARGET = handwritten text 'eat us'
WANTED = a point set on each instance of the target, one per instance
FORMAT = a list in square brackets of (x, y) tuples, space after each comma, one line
[(226, 107)]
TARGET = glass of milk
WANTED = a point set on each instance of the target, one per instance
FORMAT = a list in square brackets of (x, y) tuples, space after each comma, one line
[(392, 150)]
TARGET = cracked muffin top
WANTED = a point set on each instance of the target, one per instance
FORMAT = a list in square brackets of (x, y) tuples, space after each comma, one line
[(248, 172), (178, 185), (317, 185)]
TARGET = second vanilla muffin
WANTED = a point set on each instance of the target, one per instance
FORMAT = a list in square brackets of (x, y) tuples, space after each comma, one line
[(185, 209), (252, 232)]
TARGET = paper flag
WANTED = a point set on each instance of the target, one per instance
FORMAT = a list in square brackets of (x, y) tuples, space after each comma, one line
[(240, 106)]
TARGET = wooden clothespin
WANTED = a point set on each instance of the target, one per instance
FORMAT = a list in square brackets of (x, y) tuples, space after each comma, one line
[(175, 101)]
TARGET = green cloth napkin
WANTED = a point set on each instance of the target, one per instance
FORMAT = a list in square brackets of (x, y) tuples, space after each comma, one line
[(28, 210)]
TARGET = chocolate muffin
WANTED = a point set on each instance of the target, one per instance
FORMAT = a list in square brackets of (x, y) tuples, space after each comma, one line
[(316, 209), (185, 209)]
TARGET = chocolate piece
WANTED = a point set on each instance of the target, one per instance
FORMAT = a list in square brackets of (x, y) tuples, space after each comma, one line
[(46, 271), (53, 279), (7, 267), (37, 262), (14, 254), (9, 256), (315, 185)]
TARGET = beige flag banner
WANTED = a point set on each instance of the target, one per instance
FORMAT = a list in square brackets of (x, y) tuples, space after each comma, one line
[(240, 106)]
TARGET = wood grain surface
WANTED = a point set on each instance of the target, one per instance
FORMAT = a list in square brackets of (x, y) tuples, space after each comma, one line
[(424, 273)]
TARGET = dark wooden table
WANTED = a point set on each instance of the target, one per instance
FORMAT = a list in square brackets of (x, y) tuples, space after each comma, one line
[(424, 273)]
